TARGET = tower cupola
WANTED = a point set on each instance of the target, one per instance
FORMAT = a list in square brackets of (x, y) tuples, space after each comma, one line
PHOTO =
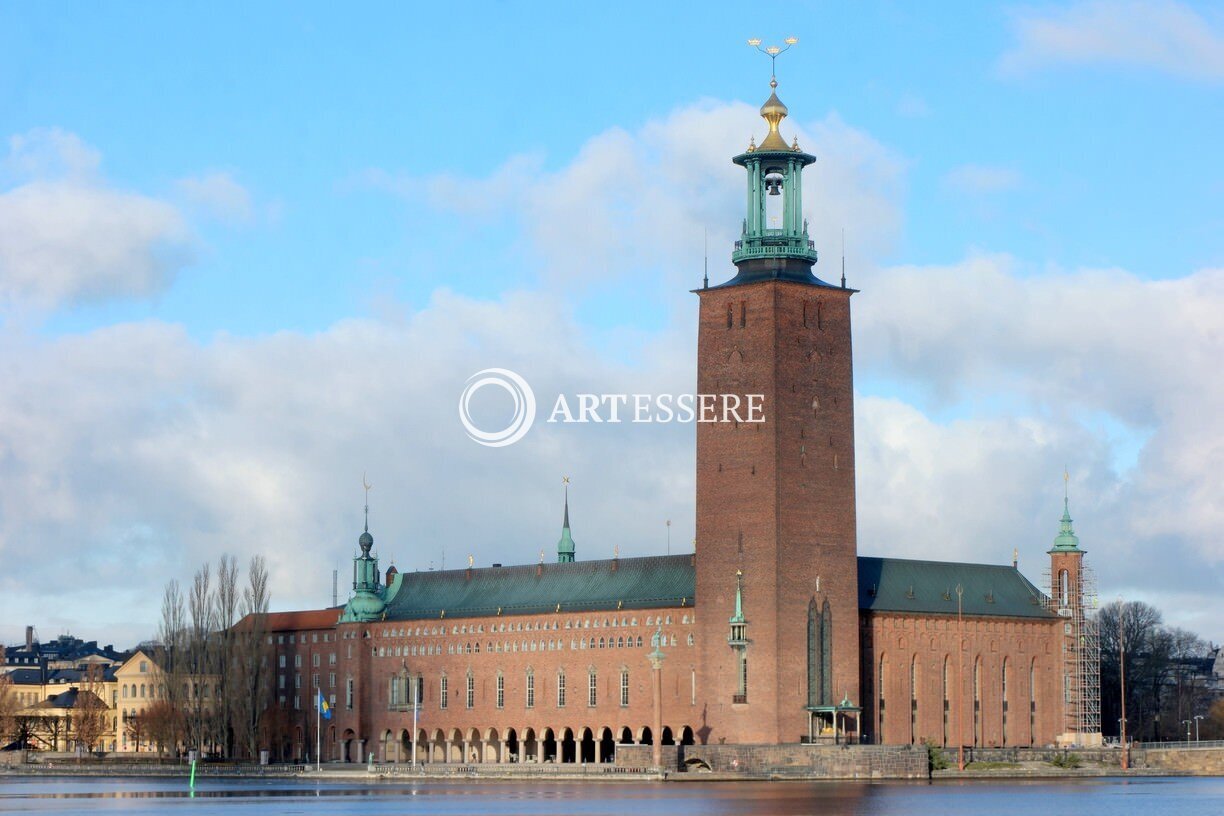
[(367, 601), (774, 241)]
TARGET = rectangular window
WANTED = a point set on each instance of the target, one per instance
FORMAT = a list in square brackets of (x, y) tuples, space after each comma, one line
[(331, 659), (592, 689), (530, 690), (314, 660), (348, 694), (297, 702), (501, 691), (314, 681), (471, 691), (282, 661), (280, 681), (331, 680), (297, 661), (297, 681), (625, 688), (442, 693), (561, 690)]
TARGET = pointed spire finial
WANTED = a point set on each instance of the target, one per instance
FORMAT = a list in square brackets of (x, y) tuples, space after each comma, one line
[(705, 277), (843, 258), (565, 547), (367, 487)]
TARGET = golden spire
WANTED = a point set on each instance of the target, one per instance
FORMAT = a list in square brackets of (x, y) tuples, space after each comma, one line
[(773, 111)]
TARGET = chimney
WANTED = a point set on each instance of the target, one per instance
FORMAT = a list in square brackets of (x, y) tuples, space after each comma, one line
[(29, 638)]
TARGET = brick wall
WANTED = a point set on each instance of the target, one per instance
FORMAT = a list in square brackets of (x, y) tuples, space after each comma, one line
[(1025, 646)]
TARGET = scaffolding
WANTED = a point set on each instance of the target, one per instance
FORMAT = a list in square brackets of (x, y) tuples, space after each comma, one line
[(1081, 654)]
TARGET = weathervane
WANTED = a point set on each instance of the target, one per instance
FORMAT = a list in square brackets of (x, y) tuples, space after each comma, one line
[(773, 51)]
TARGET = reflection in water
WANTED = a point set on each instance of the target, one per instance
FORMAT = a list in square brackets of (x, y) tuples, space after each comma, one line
[(1140, 797)]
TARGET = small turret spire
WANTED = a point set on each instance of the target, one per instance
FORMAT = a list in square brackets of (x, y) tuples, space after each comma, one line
[(1066, 540), (367, 487), (843, 257), (565, 547), (705, 263)]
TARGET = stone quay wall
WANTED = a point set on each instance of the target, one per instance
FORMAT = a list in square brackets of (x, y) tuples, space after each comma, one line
[(797, 761)]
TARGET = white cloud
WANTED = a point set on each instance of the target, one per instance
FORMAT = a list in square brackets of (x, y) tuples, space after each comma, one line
[(134, 453), (1050, 354), (218, 195), (1164, 36), (67, 237), (137, 451), (634, 205), (981, 179)]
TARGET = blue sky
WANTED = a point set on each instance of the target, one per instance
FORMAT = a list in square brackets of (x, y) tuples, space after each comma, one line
[(1032, 196)]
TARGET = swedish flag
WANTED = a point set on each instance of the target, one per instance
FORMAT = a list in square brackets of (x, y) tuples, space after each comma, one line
[(322, 705)]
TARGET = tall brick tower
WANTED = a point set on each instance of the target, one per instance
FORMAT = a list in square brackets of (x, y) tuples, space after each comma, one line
[(777, 578)]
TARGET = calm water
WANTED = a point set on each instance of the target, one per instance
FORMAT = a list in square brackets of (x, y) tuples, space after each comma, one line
[(1149, 797)]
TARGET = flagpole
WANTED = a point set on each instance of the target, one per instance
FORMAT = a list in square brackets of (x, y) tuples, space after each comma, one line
[(318, 730), (416, 690)]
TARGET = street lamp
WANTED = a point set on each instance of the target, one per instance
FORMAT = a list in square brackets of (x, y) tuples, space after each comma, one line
[(656, 667), (960, 681), (1122, 685), (1197, 717)]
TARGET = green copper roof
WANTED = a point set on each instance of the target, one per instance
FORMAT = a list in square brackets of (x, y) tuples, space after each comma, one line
[(885, 585), (900, 585), (626, 583), (1066, 540)]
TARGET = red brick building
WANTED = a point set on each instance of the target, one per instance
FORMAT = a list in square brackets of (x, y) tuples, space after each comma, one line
[(774, 631)]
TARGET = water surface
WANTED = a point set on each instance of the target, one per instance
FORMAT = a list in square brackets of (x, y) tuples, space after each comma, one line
[(230, 797)]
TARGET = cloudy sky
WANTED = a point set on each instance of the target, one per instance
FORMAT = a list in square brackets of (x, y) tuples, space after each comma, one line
[(249, 253)]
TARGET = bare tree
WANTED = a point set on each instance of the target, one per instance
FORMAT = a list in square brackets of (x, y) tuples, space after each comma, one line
[(8, 705), (251, 680), (90, 710), (161, 724), (200, 658), (226, 603), (173, 657)]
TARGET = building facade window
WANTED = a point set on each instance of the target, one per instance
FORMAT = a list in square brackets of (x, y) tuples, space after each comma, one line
[(624, 695), (530, 689), (348, 694), (471, 691), (914, 699), (501, 691), (561, 689), (592, 688), (442, 693)]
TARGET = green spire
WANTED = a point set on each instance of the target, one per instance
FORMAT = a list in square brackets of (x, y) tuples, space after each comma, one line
[(367, 602), (738, 617), (1066, 540), (565, 547)]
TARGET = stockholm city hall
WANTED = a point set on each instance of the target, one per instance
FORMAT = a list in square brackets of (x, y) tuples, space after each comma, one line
[(774, 631)]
